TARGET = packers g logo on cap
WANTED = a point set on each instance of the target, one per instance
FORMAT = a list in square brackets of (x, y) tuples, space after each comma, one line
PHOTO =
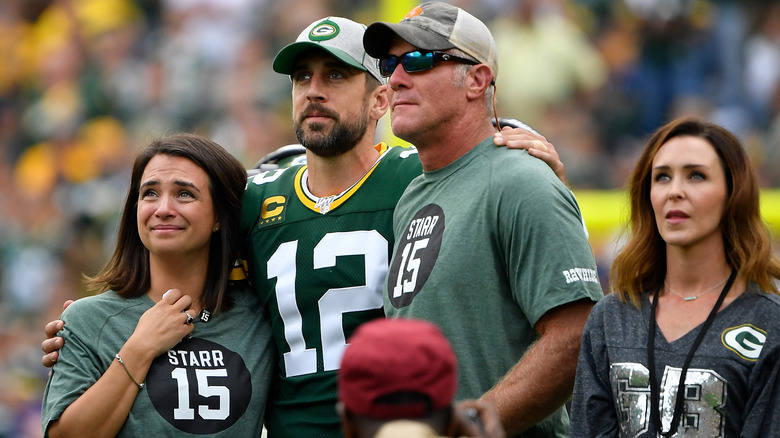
[(324, 31)]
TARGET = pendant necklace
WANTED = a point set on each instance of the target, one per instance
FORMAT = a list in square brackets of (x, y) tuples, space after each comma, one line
[(693, 297), (655, 398)]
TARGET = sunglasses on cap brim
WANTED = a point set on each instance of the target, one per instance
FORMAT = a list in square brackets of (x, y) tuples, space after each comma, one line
[(417, 61)]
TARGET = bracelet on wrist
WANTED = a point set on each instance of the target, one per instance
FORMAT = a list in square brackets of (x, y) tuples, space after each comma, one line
[(139, 385)]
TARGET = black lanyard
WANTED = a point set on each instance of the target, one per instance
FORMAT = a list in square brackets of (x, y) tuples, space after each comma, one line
[(654, 391)]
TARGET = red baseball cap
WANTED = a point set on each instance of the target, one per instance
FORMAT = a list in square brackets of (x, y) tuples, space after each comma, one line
[(397, 356)]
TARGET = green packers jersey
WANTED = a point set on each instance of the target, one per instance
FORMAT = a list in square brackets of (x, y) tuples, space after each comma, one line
[(319, 265)]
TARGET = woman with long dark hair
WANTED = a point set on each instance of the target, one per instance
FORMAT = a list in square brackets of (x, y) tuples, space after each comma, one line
[(169, 345)]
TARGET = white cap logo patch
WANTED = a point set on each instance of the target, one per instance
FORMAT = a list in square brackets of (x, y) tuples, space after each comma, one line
[(745, 340), (324, 31)]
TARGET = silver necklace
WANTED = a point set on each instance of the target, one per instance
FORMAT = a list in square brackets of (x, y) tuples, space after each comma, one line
[(693, 297)]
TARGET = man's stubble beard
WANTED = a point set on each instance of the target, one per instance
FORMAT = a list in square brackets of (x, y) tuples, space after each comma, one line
[(341, 138)]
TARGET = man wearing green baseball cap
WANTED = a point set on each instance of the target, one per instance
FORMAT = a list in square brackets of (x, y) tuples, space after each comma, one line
[(318, 235)]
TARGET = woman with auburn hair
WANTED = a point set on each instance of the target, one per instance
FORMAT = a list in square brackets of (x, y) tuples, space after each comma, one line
[(169, 345), (687, 343)]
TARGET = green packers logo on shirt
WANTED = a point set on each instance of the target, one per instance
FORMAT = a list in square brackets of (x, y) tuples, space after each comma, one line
[(324, 31), (745, 340)]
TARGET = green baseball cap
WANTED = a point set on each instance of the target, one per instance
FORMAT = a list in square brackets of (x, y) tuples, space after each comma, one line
[(340, 37)]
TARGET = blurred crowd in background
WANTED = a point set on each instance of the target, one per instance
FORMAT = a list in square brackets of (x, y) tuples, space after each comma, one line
[(84, 83)]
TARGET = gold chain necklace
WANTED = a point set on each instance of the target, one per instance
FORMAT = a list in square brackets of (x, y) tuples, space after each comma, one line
[(693, 297)]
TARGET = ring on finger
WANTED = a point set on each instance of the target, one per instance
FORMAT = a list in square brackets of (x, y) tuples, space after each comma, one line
[(190, 319)]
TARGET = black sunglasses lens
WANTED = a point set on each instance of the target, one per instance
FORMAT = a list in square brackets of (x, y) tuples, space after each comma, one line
[(411, 61), (417, 61), (387, 66)]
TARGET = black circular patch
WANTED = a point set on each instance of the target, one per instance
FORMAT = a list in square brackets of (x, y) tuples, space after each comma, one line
[(418, 250), (199, 386)]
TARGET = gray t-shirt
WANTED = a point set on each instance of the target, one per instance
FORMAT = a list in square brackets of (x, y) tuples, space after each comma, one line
[(732, 385)]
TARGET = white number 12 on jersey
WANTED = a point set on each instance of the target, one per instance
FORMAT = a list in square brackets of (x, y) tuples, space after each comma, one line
[(334, 303)]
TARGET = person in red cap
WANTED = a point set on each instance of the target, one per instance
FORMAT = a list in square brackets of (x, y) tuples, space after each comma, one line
[(405, 369)]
